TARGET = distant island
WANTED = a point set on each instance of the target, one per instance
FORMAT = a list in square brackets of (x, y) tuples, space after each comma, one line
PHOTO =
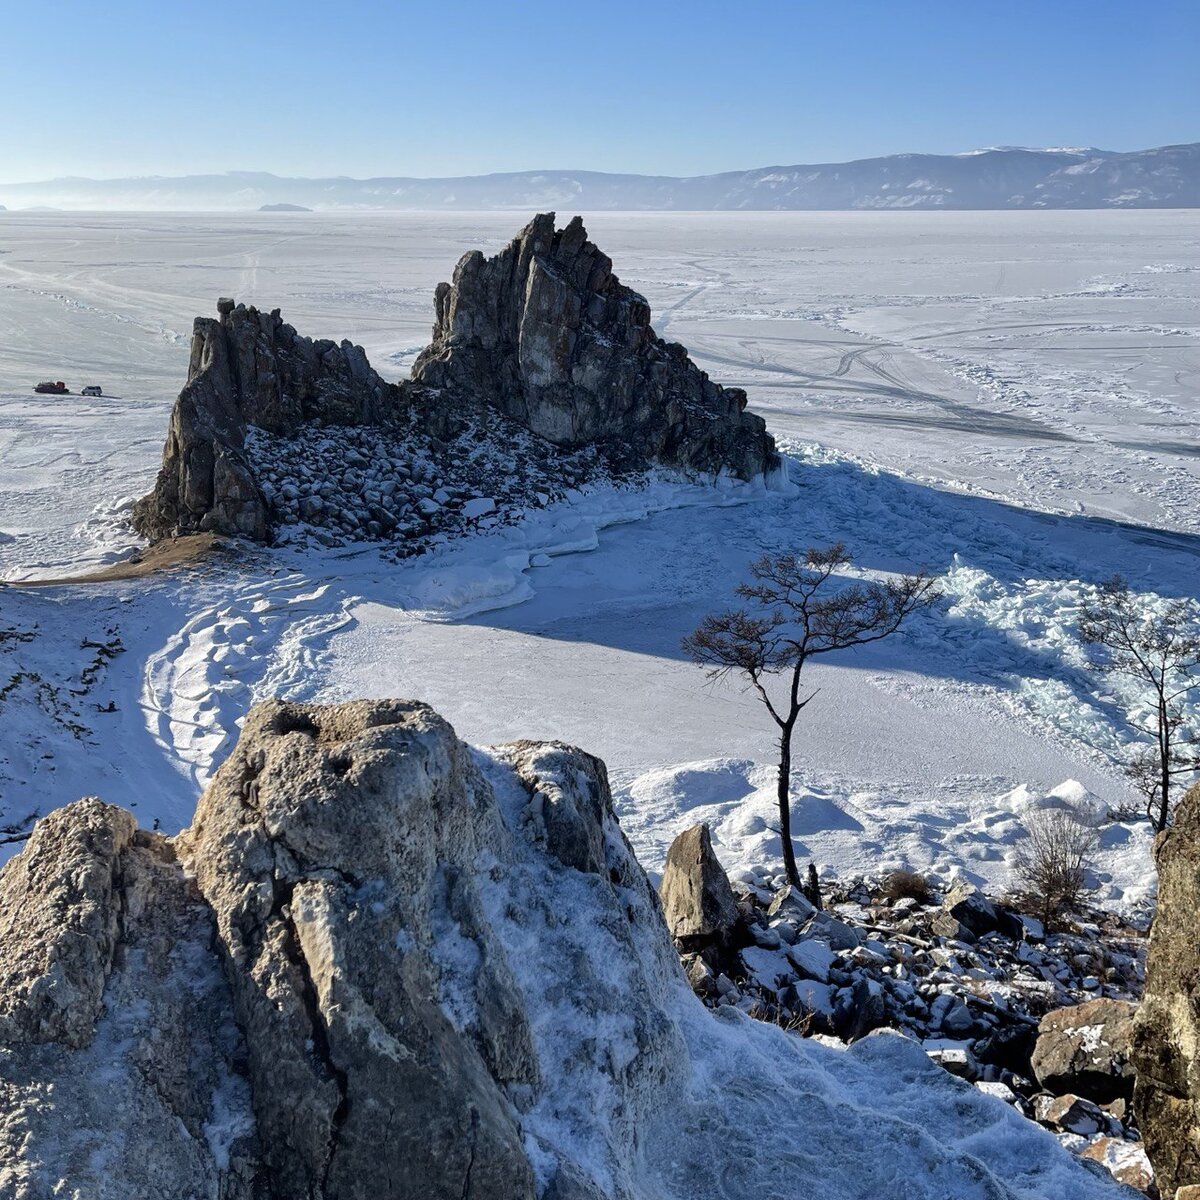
[(997, 177)]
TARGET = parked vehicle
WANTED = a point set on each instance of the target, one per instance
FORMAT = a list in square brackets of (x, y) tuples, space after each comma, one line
[(92, 389), (53, 388)]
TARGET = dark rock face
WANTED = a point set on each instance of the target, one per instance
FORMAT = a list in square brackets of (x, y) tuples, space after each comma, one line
[(1166, 1029), (249, 368), (549, 335), (542, 339)]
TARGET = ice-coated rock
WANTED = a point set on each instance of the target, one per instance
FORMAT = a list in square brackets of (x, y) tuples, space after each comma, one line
[(121, 1069), (381, 963), (697, 900)]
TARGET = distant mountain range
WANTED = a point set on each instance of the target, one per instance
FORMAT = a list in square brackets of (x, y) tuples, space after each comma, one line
[(998, 177)]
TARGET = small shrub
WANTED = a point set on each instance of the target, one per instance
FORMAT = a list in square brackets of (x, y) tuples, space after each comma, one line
[(902, 885), (1052, 863)]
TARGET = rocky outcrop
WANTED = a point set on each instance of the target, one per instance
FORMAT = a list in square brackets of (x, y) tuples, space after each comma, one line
[(550, 336), (1085, 1049), (382, 964), (540, 353), (698, 902), (1166, 1029), (250, 369)]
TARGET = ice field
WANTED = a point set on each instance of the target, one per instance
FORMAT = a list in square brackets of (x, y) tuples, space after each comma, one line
[(1006, 399)]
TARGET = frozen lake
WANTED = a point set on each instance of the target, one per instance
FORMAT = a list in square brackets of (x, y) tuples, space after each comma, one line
[(1009, 399)]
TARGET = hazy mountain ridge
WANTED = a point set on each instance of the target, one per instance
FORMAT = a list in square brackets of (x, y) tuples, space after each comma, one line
[(993, 178)]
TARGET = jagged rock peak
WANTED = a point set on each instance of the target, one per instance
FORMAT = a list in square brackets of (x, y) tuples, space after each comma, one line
[(549, 335), (541, 340), (250, 368)]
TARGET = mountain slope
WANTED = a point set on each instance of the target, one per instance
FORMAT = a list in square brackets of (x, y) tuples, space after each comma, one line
[(994, 178)]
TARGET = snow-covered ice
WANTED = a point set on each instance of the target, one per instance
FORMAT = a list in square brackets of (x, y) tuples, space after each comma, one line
[(1005, 399)]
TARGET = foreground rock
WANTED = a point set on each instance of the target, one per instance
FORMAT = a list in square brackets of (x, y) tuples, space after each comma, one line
[(381, 964), (544, 372), (1166, 1030)]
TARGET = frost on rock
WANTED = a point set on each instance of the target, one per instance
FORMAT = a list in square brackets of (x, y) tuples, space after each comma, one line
[(380, 963)]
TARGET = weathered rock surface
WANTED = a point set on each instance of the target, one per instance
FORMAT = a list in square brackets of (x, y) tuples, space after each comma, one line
[(382, 964), (1166, 1028), (550, 336), (1085, 1049), (121, 1069), (698, 902), (541, 340), (249, 368)]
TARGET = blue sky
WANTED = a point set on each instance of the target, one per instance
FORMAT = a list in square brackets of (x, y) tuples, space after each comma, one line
[(313, 88)]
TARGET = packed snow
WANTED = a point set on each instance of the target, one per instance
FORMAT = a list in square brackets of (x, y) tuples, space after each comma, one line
[(1007, 400)]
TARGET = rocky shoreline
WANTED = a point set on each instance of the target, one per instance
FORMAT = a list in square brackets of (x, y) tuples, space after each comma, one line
[(1040, 1019)]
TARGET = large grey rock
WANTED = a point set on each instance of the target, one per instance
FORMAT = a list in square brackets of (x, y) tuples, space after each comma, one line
[(547, 333), (327, 845), (305, 993), (1166, 1027), (1085, 1049), (541, 338), (121, 1070), (698, 902), (382, 964)]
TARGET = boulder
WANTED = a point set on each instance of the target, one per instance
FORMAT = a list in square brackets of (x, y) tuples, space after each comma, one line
[(545, 332), (122, 1072), (1126, 1162), (1085, 1049), (1072, 1114), (697, 901), (970, 908), (1166, 1027)]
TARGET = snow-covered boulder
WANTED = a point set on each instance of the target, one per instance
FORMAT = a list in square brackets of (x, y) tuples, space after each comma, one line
[(381, 963)]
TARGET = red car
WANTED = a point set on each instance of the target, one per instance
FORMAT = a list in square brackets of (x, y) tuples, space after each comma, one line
[(55, 389)]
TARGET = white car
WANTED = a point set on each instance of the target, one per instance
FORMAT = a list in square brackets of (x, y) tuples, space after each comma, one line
[(92, 389)]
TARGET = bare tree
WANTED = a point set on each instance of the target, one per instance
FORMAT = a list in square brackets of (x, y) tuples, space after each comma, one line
[(1052, 862), (1160, 651), (796, 614)]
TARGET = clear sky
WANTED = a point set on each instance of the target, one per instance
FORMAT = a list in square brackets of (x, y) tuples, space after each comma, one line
[(308, 87)]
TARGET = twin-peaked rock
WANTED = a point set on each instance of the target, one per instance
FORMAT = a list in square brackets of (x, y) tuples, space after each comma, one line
[(541, 339)]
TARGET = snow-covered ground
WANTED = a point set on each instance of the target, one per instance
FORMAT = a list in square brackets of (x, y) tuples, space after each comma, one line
[(993, 396)]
